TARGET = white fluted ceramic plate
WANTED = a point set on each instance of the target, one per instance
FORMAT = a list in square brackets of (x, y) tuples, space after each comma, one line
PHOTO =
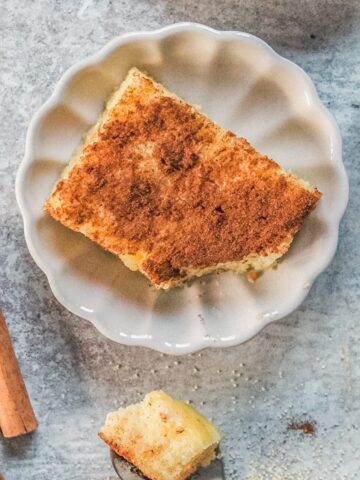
[(241, 83)]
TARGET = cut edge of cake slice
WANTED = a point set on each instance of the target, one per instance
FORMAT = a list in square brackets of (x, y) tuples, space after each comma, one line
[(138, 261), (164, 438)]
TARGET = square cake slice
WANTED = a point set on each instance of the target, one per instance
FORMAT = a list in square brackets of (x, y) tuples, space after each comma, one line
[(173, 194), (164, 438)]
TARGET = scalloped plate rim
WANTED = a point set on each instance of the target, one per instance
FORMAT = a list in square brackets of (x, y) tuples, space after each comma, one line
[(100, 55)]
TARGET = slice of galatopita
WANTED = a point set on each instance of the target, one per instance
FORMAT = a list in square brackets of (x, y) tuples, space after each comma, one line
[(164, 438), (173, 194)]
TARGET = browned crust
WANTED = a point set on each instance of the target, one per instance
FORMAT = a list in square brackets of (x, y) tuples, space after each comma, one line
[(162, 178), (131, 458), (128, 455), (122, 452)]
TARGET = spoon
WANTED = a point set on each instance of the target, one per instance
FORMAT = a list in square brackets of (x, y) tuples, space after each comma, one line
[(126, 471)]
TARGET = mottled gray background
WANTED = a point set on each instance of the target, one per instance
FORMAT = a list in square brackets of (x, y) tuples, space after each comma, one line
[(306, 366)]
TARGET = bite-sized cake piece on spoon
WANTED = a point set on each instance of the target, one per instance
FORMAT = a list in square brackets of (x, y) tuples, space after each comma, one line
[(164, 438), (173, 194)]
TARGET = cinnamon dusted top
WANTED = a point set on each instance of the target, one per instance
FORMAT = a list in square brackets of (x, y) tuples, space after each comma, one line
[(160, 177)]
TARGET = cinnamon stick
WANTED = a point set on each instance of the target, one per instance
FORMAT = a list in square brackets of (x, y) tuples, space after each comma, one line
[(16, 414)]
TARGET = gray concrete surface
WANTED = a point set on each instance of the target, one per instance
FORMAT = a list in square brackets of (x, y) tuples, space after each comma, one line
[(303, 367)]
